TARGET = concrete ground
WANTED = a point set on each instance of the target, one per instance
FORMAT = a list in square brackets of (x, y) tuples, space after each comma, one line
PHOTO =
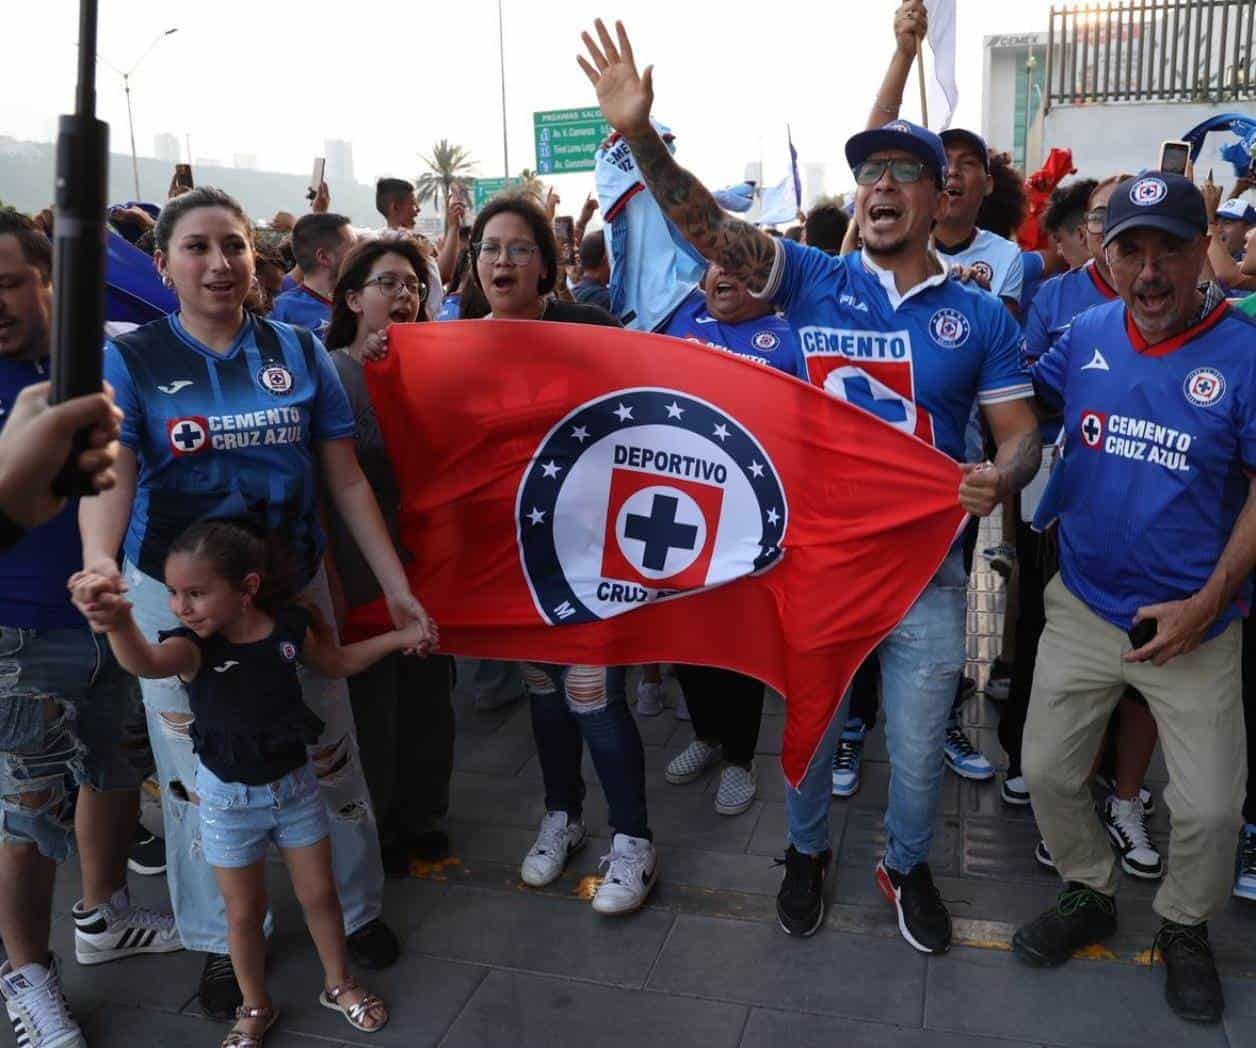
[(488, 962)]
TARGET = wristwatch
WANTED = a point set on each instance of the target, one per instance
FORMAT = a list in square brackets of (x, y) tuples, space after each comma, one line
[(9, 531)]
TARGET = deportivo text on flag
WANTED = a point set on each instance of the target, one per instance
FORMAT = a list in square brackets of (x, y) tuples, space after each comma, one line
[(610, 497)]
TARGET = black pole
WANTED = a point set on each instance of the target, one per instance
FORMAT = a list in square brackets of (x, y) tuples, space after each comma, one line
[(78, 262)]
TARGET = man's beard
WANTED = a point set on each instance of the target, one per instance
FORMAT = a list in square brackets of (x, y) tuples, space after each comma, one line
[(887, 250)]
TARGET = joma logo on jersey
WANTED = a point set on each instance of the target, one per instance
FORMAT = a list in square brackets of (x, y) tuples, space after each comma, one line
[(641, 495)]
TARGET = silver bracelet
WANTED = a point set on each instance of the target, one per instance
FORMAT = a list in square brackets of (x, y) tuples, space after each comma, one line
[(890, 110)]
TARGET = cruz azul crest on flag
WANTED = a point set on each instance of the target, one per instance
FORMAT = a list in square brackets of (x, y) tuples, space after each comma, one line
[(641, 495)]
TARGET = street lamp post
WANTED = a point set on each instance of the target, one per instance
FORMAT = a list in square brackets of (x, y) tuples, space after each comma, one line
[(501, 47), (126, 87)]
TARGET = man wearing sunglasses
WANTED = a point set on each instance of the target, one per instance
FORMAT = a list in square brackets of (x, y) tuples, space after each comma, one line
[(888, 331)]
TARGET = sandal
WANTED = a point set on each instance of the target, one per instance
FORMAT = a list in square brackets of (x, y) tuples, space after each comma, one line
[(240, 1039), (355, 1013)]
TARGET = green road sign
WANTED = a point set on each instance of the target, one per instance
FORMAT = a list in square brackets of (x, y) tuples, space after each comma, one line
[(567, 139), (487, 188)]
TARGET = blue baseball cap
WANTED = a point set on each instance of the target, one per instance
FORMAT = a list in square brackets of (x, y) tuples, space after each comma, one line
[(899, 134), (1156, 200), (1237, 210), (959, 137)]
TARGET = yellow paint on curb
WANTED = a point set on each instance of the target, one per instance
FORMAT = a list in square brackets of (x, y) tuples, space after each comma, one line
[(433, 871), (1095, 952), (587, 888)]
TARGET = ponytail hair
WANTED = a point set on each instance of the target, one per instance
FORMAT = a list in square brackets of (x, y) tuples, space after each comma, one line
[(238, 548)]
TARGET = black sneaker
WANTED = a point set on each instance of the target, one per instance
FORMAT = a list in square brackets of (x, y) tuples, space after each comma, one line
[(922, 916), (800, 902), (1081, 916), (148, 853), (219, 993), (430, 845), (373, 946), (1192, 986)]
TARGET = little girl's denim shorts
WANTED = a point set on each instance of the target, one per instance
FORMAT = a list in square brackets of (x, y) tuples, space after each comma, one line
[(237, 820)]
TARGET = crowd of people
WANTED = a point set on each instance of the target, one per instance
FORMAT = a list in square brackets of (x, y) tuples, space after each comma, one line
[(203, 619)]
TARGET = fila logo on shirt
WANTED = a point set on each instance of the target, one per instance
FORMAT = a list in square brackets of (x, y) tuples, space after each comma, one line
[(1138, 439), (949, 327), (641, 495), (1204, 387), (275, 379)]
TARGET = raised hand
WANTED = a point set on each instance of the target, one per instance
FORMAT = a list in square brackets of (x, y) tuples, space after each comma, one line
[(911, 25), (624, 95)]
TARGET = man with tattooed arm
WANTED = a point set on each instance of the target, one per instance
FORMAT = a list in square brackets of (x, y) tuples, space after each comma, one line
[(888, 331)]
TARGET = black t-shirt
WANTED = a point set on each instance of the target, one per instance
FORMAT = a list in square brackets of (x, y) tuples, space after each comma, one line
[(558, 311), (251, 724)]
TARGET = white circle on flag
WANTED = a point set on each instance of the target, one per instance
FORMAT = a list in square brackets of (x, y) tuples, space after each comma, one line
[(661, 555)]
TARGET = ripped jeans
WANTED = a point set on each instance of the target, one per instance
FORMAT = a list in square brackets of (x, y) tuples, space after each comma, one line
[(63, 701), (574, 705), (921, 661), (194, 895)]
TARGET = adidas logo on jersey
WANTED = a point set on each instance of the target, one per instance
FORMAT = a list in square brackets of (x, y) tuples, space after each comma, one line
[(1097, 363)]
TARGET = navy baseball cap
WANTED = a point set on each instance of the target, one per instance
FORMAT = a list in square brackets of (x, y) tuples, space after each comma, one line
[(958, 137), (1156, 200), (1237, 210), (899, 134)]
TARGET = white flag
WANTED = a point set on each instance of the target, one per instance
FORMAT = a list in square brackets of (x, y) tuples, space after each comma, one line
[(942, 91)]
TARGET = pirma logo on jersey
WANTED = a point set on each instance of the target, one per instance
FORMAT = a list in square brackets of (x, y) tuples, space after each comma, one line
[(1148, 191), (949, 328), (276, 379), (1204, 387), (640, 495), (765, 341)]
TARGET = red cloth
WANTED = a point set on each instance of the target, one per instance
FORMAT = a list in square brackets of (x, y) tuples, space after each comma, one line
[(1041, 184), (482, 420)]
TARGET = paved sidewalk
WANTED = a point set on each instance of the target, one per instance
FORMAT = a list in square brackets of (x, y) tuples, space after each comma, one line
[(488, 962)]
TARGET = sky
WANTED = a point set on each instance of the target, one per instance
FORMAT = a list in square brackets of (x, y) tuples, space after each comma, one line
[(275, 79)]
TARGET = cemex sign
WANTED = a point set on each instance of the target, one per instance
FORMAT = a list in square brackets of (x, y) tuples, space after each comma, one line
[(567, 139)]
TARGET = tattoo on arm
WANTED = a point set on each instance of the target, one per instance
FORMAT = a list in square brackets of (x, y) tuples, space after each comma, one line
[(1022, 462), (737, 247)]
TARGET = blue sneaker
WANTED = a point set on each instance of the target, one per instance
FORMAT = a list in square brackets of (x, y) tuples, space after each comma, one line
[(848, 758), (962, 757), (1245, 882)]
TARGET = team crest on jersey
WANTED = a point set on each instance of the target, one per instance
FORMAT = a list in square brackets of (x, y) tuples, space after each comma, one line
[(641, 495), (765, 341), (276, 379), (1204, 387), (187, 435), (949, 328), (287, 650), (984, 270), (1148, 191), (1093, 424)]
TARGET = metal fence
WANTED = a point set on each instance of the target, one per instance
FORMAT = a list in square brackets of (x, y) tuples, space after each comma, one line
[(1151, 50)]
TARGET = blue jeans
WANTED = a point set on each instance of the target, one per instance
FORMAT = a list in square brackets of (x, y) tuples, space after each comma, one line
[(63, 701), (921, 662), (574, 705), (238, 821), (194, 895)]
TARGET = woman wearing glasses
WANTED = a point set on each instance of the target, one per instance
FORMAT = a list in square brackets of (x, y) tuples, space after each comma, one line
[(515, 267), (402, 705)]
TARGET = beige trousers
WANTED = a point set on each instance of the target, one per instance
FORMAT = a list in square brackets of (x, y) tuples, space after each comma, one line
[(1197, 702)]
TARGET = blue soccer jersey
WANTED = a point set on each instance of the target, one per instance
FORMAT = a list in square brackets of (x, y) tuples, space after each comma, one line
[(1158, 444), (303, 307), (1032, 265), (225, 434), (917, 361), (767, 339)]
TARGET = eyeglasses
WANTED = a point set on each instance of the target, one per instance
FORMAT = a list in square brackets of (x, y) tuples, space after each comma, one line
[(1127, 261), (904, 171), (390, 285), (517, 254), (1095, 219)]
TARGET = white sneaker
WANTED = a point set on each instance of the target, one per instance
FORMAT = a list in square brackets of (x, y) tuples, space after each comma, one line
[(632, 867), (736, 790), (691, 762), (37, 1006), (556, 842), (1124, 822), (649, 699), (1015, 792), (117, 929)]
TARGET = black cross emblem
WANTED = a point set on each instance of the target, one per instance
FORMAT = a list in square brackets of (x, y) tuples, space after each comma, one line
[(187, 436), (660, 531)]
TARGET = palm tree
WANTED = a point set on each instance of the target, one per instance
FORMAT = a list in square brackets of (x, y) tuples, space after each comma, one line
[(530, 182), (449, 165)]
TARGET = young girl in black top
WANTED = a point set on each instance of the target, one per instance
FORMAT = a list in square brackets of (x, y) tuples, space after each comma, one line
[(237, 653)]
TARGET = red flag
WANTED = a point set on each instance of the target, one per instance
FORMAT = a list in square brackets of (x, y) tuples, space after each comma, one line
[(578, 494)]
